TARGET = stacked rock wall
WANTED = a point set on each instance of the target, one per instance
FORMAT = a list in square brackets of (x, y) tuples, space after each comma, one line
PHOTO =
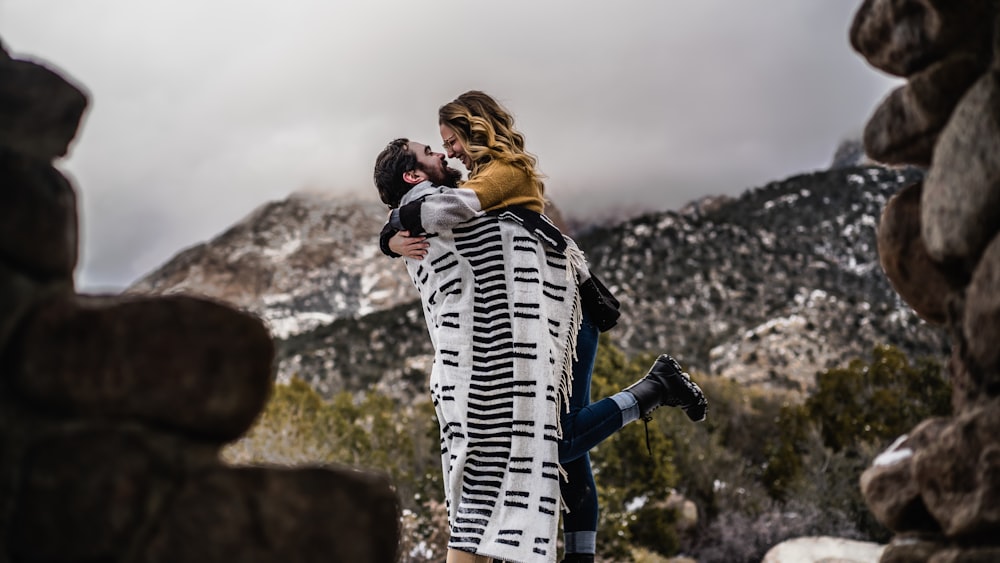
[(113, 409), (938, 488)]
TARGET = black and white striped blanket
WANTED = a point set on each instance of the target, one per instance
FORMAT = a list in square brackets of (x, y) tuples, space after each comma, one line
[(503, 310)]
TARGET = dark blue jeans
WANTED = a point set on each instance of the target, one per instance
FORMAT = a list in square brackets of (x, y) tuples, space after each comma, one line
[(584, 426)]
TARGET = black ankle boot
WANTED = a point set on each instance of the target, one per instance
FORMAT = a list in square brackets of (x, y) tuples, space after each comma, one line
[(578, 558), (667, 384)]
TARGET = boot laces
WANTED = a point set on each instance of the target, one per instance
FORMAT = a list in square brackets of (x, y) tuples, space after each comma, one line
[(645, 423)]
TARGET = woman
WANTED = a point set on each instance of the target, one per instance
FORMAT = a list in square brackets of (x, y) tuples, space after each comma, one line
[(481, 134)]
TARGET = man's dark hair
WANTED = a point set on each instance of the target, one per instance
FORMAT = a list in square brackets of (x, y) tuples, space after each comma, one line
[(390, 165)]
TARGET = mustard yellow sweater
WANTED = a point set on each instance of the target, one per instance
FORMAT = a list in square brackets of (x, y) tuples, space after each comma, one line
[(499, 184)]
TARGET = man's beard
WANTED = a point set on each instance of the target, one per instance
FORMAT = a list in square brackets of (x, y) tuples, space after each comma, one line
[(450, 178), (453, 177)]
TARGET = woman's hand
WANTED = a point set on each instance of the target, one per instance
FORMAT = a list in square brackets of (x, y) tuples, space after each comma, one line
[(409, 247)]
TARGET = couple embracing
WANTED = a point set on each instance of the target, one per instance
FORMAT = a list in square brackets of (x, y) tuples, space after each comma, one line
[(514, 315)]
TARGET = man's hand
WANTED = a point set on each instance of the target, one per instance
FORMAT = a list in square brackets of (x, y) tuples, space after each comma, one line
[(410, 247)]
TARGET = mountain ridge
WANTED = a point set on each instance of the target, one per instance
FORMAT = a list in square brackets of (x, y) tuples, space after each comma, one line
[(750, 259)]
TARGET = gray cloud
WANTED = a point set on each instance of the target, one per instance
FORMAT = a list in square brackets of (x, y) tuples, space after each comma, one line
[(201, 111)]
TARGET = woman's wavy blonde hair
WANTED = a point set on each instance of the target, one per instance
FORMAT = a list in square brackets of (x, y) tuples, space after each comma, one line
[(486, 130)]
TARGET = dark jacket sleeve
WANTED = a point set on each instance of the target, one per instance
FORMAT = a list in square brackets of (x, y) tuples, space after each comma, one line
[(383, 241), (409, 217)]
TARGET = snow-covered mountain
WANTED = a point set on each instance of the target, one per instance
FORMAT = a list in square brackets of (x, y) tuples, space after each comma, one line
[(298, 264), (769, 287)]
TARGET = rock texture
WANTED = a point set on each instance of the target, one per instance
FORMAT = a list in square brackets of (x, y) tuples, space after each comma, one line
[(113, 409), (938, 488)]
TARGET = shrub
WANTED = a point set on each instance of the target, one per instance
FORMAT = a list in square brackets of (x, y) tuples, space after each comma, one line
[(877, 401), (761, 469), (299, 427), (824, 444)]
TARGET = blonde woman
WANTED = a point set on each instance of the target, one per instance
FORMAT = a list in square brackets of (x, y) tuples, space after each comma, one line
[(503, 179)]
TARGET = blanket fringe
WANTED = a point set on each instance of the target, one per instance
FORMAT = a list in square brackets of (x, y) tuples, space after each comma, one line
[(576, 271), (576, 267)]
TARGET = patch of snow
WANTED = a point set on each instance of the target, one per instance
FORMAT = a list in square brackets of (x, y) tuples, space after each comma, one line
[(283, 251), (636, 503), (810, 299), (766, 238), (666, 221), (299, 323), (894, 454), (270, 299)]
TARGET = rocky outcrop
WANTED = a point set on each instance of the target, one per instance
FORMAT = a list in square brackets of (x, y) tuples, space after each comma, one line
[(938, 488), (921, 281), (113, 409), (824, 550)]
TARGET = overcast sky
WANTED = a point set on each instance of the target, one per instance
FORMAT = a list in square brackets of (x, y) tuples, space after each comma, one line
[(202, 110)]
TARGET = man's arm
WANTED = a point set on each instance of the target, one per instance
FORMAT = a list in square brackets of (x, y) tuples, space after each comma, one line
[(384, 241), (437, 212), (395, 243), (434, 212)]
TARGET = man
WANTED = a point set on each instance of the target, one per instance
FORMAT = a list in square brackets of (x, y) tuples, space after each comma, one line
[(404, 164), (406, 174), (501, 367)]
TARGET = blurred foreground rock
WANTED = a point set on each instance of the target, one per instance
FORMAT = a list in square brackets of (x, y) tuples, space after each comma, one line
[(824, 550), (938, 488), (113, 409)]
